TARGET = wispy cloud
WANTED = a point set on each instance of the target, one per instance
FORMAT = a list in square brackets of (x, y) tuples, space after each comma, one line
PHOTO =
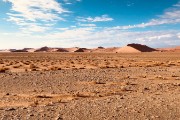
[(87, 25), (171, 16), (71, 1), (103, 18), (30, 13), (89, 37)]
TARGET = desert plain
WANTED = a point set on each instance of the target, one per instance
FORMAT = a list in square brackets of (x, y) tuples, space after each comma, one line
[(90, 86)]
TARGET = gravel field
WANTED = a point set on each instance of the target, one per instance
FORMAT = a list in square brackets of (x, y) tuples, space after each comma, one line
[(90, 86)]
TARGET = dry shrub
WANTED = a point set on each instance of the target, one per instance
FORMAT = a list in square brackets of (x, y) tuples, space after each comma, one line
[(148, 65), (32, 66), (43, 96), (82, 68), (10, 63), (35, 103), (17, 66), (34, 69), (44, 69), (143, 76), (3, 70), (174, 75), (161, 77), (84, 95), (100, 82), (26, 63), (53, 68)]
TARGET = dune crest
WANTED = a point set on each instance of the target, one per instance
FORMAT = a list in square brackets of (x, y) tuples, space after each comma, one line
[(129, 48)]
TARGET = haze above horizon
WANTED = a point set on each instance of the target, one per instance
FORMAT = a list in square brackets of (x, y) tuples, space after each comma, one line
[(89, 23)]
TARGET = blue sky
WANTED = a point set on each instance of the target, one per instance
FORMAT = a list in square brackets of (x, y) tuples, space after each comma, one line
[(89, 23)]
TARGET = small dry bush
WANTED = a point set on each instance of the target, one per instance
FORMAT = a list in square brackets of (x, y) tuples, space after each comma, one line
[(54, 68), (35, 103), (32, 66), (3, 70), (17, 66)]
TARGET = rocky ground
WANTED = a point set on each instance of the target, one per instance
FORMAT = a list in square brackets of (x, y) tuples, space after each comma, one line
[(91, 86)]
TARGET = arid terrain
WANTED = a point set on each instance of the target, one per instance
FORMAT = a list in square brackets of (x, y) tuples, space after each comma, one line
[(90, 86)]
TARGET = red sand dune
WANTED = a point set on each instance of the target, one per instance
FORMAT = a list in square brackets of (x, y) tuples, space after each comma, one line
[(127, 49), (62, 50), (29, 49), (142, 48), (83, 50), (135, 48), (104, 50), (46, 49), (71, 49), (43, 49), (130, 48), (19, 51)]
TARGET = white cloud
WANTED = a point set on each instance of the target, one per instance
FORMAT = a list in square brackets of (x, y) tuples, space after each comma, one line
[(73, 26), (27, 12), (90, 37), (63, 29), (177, 5), (87, 25), (69, 2), (37, 16), (103, 18), (171, 16)]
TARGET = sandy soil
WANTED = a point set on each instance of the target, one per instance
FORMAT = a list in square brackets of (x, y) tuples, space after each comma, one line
[(91, 86)]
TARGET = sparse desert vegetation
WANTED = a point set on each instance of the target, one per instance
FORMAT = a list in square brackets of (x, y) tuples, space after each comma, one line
[(97, 85)]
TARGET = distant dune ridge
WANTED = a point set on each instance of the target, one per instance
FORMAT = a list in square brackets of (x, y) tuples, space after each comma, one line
[(135, 48), (130, 48), (83, 50), (62, 50), (20, 51), (29, 49), (43, 49), (142, 48), (175, 49), (71, 49)]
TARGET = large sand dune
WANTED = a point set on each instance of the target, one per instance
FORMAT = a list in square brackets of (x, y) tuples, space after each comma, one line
[(127, 49), (130, 48)]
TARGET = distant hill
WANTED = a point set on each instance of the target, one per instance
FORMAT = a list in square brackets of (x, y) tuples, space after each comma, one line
[(82, 50), (20, 51), (104, 50), (135, 48), (71, 49), (129, 48), (62, 50), (173, 49), (43, 49), (142, 48), (46, 49)]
